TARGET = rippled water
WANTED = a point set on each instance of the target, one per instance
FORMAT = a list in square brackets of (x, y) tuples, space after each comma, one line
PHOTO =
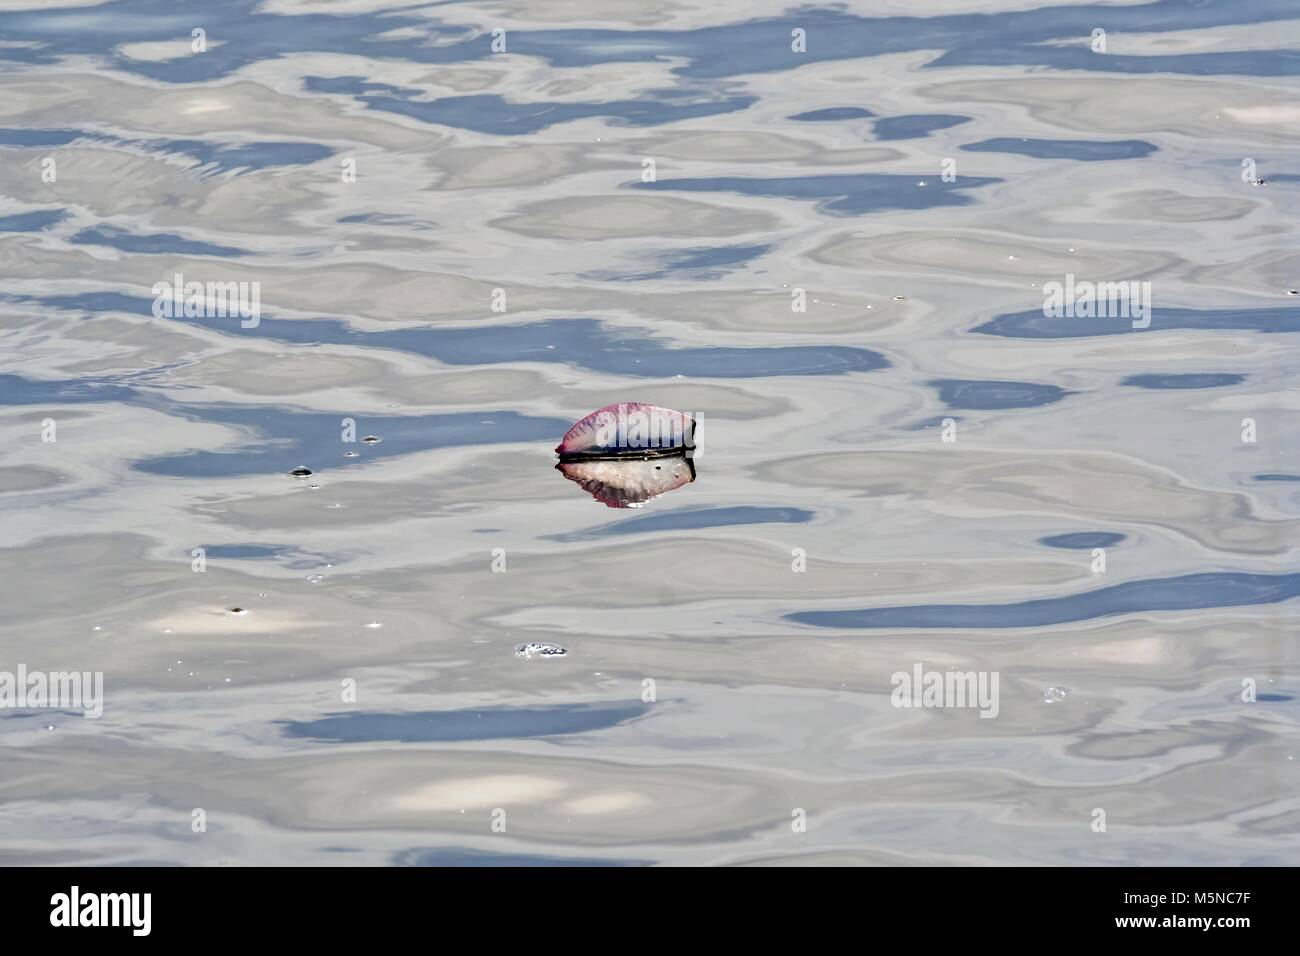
[(917, 470)]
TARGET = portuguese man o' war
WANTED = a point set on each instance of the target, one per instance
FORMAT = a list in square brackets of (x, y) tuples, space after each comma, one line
[(625, 454)]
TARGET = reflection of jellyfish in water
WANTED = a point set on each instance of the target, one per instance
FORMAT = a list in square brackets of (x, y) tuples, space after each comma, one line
[(626, 454), (622, 483)]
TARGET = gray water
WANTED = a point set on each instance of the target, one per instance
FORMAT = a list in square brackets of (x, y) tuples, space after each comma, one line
[(920, 468)]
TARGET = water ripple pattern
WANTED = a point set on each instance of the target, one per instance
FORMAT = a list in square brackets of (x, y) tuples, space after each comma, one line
[(986, 312)]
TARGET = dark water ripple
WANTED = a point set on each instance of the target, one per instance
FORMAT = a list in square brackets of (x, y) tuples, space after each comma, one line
[(963, 393), (1083, 540), (1160, 380), (851, 194), (698, 265), (34, 221), (1076, 149), (1183, 593), (687, 519), (488, 113), (914, 127), (289, 437), (466, 857), (155, 244), (488, 723), (1034, 325), (832, 114), (584, 342)]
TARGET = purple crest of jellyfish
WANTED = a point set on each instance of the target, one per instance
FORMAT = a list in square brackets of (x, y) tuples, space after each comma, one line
[(629, 430)]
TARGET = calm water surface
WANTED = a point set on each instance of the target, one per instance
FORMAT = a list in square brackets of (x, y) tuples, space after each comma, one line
[(366, 704)]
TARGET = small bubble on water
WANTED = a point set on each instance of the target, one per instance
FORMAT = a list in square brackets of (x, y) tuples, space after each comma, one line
[(1055, 694), (538, 649), (372, 439), (302, 471), (374, 624), (1293, 291), (352, 454), (239, 610), (315, 578)]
